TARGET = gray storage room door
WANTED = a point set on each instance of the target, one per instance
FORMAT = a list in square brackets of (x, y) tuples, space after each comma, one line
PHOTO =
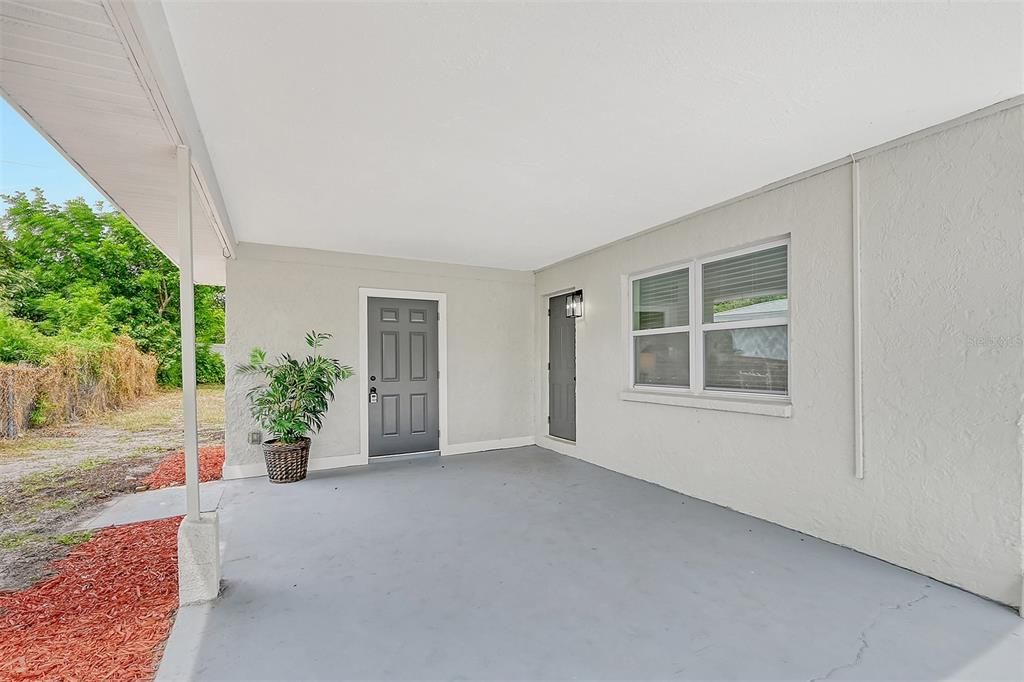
[(562, 370), (403, 376)]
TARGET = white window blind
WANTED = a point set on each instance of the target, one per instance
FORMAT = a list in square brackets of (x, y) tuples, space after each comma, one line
[(662, 300), (748, 286)]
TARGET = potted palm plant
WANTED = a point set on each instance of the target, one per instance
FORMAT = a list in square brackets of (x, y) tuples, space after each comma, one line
[(292, 403)]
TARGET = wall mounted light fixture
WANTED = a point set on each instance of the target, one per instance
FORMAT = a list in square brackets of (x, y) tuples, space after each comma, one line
[(574, 304)]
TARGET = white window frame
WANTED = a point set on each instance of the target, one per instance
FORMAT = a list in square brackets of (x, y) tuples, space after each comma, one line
[(697, 326), (634, 333)]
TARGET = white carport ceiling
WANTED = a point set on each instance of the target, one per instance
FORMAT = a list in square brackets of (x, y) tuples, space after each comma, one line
[(514, 135)]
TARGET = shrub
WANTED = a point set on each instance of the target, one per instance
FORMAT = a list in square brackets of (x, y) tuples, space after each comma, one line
[(20, 342), (41, 411), (209, 365)]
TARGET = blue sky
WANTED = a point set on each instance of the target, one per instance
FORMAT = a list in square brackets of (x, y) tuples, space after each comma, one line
[(27, 160)]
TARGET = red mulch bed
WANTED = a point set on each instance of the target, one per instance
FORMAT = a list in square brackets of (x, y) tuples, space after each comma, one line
[(171, 471), (103, 616)]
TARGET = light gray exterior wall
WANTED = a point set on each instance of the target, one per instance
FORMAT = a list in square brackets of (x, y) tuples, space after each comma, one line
[(943, 288), (277, 294)]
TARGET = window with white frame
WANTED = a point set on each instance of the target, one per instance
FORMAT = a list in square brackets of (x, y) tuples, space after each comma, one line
[(661, 329), (744, 321), (736, 340)]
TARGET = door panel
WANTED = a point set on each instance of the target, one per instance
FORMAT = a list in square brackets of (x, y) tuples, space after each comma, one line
[(389, 406), (418, 411), (403, 374), (417, 356), (389, 356), (562, 371)]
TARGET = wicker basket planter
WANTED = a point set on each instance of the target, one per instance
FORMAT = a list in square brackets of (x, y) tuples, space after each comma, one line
[(286, 462)]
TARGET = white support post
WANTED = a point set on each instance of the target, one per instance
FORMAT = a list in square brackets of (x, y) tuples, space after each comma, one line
[(188, 333), (198, 537)]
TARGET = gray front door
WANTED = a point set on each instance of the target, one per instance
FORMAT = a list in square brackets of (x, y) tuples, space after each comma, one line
[(403, 376), (561, 370)]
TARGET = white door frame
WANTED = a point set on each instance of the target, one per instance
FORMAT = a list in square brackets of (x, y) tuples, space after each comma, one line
[(366, 293)]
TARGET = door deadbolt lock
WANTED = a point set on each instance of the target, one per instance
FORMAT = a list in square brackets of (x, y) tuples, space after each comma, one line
[(373, 395)]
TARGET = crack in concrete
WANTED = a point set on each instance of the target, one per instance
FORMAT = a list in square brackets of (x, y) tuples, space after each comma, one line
[(863, 637), (852, 664)]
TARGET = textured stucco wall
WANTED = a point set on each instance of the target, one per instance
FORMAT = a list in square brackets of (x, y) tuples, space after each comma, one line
[(276, 294), (943, 280)]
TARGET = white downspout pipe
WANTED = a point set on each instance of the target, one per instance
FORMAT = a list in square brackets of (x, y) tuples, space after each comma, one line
[(858, 366), (188, 333)]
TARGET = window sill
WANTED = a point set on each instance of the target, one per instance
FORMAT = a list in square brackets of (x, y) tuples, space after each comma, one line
[(769, 408)]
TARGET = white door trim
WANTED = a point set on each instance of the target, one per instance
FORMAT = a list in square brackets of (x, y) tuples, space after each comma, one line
[(366, 293)]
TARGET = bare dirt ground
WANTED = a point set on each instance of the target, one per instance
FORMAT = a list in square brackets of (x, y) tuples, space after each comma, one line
[(53, 478)]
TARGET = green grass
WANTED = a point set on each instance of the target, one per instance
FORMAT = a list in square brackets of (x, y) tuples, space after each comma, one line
[(51, 481), (74, 538), (27, 445), (57, 503), (33, 484), (16, 540), (24, 517), (59, 479), (744, 302), (91, 463), (147, 450)]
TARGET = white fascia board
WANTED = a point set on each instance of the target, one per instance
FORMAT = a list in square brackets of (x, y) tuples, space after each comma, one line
[(147, 39)]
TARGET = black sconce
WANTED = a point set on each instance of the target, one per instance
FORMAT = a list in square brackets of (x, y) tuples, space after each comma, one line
[(574, 304)]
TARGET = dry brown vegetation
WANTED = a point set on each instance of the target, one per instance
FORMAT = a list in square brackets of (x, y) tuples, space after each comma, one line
[(74, 385)]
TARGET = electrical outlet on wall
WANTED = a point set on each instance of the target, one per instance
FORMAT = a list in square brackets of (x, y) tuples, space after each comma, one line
[(255, 437)]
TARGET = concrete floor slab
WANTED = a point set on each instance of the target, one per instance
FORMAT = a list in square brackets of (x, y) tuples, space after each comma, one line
[(153, 504), (525, 564)]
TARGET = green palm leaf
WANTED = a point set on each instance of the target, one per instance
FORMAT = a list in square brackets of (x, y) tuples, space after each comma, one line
[(297, 393)]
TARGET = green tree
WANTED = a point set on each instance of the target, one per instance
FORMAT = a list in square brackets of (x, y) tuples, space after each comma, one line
[(80, 271)]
